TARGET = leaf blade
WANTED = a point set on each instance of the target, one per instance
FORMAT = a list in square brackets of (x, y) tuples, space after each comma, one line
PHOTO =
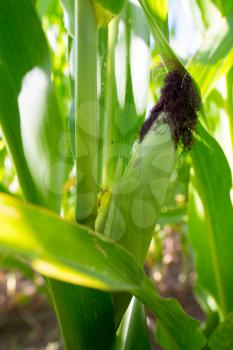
[(210, 211), (221, 338), (99, 262), (30, 117)]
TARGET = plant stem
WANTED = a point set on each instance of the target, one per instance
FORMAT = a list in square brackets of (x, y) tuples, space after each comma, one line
[(86, 112), (110, 103), (103, 61)]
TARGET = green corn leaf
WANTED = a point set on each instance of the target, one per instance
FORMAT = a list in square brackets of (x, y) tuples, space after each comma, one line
[(163, 338), (133, 331), (218, 116), (88, 259), (75, 307), (159, 11), (29, 113), (154, 13), (222, 337), (214, 58), (211, 219), (212, 319), (85, 257)]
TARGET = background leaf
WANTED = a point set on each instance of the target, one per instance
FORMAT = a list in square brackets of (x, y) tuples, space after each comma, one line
[(69, 15), (222, 338), (211, 219), (30, 118), (214, 57)]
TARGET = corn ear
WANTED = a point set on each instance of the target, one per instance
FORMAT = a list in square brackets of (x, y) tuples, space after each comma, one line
[(106, 10), (129, 216)]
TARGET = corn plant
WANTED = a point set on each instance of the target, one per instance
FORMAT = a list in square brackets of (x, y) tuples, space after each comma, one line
[(123, 160)]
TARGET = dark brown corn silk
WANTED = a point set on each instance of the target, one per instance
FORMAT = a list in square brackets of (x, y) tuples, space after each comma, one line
[(179, 102)]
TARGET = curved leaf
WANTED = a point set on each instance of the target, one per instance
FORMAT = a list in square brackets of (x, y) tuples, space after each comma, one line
[(222, 337), (79, 256), (154, 14), (133, 332)]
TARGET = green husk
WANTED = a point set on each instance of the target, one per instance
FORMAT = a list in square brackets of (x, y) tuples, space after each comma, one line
[(129, 216)]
